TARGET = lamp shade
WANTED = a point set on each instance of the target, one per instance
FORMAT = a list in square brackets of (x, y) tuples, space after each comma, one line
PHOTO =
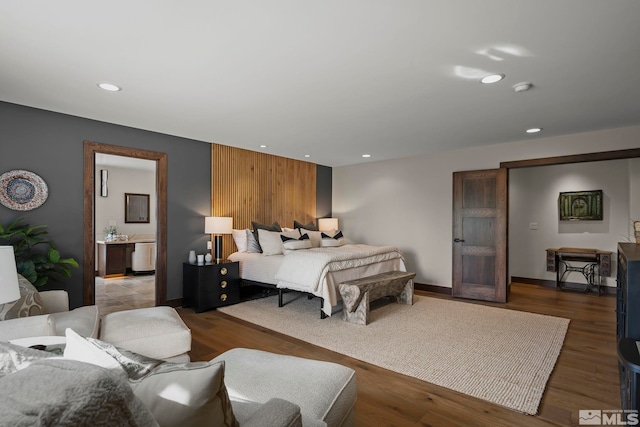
[(9, 290), (218, 224), (327, 224)]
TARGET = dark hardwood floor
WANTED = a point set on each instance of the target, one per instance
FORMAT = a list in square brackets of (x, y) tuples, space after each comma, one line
[(585, 376)]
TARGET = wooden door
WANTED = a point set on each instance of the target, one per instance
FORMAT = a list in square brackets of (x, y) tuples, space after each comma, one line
[(480, 235)]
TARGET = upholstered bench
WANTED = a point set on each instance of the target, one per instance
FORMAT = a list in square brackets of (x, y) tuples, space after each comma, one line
[(357, 294), (324, 391), (156, 332)]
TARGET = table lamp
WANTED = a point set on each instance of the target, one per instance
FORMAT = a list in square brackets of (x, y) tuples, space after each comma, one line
[(9, 290), (218, 225), (327, 224)]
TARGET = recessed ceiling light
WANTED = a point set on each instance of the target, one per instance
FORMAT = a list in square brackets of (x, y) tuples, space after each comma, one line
[(263, 146), (307, 155), (109, 87), (534, 130), (492, 78), (366, 155)]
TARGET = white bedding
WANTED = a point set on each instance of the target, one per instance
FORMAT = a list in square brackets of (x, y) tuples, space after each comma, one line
[(319, 270)]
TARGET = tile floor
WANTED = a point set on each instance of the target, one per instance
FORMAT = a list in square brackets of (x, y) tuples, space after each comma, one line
[(124, 293)]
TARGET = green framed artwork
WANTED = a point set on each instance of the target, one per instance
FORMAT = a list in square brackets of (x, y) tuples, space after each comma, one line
[(580, 206)]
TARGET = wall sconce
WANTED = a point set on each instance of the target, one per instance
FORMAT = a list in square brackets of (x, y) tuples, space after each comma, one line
[(327, 224), (103, 182), (218, 225), (9, 289)]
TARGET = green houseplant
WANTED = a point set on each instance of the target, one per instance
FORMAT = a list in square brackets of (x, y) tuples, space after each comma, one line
[(37, 258)]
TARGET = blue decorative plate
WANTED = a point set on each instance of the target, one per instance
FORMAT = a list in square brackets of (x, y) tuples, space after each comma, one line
[(22, 190)]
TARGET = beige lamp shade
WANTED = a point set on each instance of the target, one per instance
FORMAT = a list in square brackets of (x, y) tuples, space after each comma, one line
[(9, 290), (327, 224), (218, 225)]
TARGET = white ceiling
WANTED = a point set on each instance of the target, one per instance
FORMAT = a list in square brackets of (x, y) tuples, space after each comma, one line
[(333, 79)]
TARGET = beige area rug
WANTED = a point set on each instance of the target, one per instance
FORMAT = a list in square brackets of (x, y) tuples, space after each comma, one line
[(498, 355)]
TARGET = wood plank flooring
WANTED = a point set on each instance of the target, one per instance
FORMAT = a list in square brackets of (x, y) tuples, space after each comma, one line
[(585, 376)]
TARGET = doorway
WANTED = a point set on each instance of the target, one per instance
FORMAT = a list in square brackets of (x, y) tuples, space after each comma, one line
[(91, 149)]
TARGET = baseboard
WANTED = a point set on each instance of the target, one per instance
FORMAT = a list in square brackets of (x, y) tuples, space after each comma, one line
[(432, 288), (175, 303), (552, 284)]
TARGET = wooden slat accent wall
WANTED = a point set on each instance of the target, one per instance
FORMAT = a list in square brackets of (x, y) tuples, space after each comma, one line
[(252, 186)]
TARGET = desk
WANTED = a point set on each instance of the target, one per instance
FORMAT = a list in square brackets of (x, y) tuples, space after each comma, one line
[(597, 265), (114, 257)]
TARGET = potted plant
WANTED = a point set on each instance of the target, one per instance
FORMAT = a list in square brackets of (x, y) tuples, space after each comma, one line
[(37, 258)]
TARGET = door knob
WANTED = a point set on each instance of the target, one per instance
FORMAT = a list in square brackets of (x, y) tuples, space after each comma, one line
[(458, 240)]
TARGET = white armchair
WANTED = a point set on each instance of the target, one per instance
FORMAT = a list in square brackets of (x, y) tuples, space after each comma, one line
[(84, 320), (143, 257)]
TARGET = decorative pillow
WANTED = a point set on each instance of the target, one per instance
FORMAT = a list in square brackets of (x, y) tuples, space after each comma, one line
[(335, 241), (310, 226), (29, 304), (252, 243), (240, 238), (257, 226), (291, 230), (82, 350), (315, 236), (177, 394), (271, 241), (292, 244)]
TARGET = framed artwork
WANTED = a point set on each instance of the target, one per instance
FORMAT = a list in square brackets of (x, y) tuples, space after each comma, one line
[(580, 206), (136, 208)]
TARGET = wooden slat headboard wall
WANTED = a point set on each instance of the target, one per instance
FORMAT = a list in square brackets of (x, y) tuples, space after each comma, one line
[(251, 186)]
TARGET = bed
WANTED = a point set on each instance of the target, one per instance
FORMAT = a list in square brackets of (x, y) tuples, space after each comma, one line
[(319, 270)]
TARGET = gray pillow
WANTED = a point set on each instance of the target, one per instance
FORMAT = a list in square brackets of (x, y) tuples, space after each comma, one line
[(311, 226)]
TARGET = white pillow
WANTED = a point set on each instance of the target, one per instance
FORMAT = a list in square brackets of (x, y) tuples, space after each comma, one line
[(316, 236), (332, 241), (240, 238), (78, 348), (271, 242), (292, 244)]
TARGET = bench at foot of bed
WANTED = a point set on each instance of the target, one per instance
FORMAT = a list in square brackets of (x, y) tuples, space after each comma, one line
[(357, 294)]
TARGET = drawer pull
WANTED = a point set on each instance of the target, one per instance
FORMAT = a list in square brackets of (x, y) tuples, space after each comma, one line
[(223, 284), (223, 297), (223, 271)]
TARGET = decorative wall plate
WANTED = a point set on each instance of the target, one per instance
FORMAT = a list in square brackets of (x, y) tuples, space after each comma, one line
[(22, 190)]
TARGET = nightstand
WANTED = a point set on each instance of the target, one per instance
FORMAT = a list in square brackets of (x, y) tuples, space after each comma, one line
[(210, 286)]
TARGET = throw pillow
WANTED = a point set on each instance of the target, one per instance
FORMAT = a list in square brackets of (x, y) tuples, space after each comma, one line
[(177, 394), (257, 226), (80, 349), (292, 244), (240, 238), (29, 304), (315, 236), (329, 241), (252, 243), (271, 241), (310, 226)]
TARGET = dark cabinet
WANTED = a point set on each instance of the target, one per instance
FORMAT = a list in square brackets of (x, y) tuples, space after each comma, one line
[(112, 259), (210, 285), (628, 291)]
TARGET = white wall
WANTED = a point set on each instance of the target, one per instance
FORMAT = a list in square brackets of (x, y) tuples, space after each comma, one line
[(533, 198), (111, 208), (408, 202)]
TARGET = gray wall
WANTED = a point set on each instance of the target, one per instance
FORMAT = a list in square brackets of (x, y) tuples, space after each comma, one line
[(51, 145), (323, 191)]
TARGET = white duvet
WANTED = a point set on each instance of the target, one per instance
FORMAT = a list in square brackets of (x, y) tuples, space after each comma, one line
[(309, 270)]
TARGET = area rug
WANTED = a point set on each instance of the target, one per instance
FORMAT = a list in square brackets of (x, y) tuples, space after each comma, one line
[(498, 355)]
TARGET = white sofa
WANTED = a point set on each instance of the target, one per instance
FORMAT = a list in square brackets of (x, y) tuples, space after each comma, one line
[(244, 387), (156, 332), (84, 320)]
